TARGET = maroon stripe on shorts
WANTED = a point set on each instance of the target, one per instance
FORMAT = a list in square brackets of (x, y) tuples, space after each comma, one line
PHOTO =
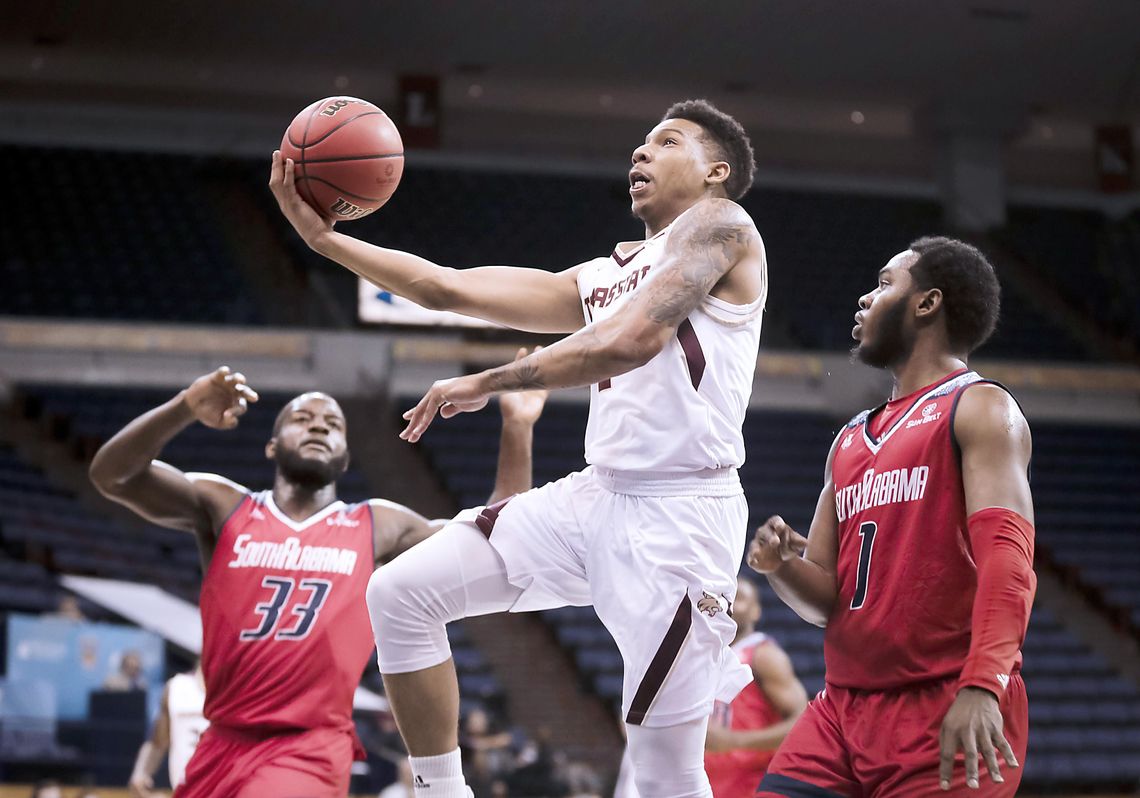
[(694, 355), (490, 514), (662, 662)]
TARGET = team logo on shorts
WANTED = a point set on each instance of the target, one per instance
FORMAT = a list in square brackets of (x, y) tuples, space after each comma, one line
[(710, 605)]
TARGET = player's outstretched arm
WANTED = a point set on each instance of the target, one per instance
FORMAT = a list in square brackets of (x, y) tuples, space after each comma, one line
[(807, 584), (152, 751), (397, 529), (706, 245), (996, 446), (773, 673), (126, 468), (525, 299)]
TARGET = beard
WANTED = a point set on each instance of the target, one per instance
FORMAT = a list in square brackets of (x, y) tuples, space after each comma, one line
[(890, 344), (310, 474)]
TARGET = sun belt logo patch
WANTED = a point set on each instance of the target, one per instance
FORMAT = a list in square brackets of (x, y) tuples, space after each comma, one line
[(930, 414)]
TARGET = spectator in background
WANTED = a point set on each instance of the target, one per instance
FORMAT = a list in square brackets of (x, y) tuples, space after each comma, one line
[(480, 777), (539, 770), (129, 676), (494, 749), (48, 788), (68, 609)]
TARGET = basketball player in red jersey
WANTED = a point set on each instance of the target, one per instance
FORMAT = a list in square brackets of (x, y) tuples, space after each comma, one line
[(919, 558), (744, 735), (286, 633)]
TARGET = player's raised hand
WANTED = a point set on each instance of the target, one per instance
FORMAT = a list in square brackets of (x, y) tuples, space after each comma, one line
[(523, 407), (973, 725), (220, 399), (307, 222), (773, 545), (448, 398)]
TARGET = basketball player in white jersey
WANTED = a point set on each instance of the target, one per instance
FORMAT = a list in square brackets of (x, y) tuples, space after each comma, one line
[(666, 331), (175, 734)]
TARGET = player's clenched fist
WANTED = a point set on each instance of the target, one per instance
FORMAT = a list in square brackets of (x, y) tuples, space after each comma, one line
[(773, 545), (220, 398)]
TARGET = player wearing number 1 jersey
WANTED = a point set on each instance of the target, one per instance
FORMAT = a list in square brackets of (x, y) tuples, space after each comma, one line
[(285, 629), (919, 558)]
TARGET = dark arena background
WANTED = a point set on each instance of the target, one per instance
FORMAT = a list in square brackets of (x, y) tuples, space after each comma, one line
[(141, 248)]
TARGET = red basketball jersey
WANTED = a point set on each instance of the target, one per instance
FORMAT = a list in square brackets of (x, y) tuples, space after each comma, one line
[(906, 575), (285, 630), (736, 773)]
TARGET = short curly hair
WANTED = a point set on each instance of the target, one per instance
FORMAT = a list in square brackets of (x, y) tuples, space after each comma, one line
[(971, 293), (728, 138)]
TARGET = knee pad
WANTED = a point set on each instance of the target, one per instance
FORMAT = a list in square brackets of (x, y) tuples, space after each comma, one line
[(407, 625)]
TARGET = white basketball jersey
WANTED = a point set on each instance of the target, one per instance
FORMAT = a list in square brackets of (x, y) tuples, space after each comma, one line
[(683, 410), (184, 699)]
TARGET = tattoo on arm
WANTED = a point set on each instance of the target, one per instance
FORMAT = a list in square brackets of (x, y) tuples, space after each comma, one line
[(522, 375), (709, 241)]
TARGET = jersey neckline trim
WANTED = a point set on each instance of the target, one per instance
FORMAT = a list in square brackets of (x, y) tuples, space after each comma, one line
[(305, 523), (923, 394), (622, 260)]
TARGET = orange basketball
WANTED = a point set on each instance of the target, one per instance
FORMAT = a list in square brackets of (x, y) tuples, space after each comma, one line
[(347, 155)]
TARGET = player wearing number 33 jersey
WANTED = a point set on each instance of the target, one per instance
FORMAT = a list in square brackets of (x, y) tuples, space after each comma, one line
[(285, 635), (285, 629)]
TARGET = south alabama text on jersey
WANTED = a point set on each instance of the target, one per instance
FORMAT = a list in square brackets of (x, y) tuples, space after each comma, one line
[(683, 410), (291, 555)]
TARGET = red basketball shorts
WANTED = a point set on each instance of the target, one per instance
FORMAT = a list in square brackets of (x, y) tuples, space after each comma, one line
[(314, 763), (884, 744)]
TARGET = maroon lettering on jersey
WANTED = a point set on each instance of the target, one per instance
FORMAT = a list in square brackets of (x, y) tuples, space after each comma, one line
[(906, 577), (604, 296), (285, 630)]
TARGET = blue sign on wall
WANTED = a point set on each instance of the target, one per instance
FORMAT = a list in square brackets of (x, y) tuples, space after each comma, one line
[(76, 658)]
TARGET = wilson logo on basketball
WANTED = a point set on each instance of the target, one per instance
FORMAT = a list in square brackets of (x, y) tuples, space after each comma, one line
[(346, 209), (332, 108)]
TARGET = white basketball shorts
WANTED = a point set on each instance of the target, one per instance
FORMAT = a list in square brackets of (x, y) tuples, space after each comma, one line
[(657, 556)]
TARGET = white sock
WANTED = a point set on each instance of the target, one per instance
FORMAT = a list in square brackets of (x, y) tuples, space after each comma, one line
[(438, 776)]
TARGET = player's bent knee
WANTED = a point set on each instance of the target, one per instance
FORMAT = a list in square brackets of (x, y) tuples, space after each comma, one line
[(400, 590), (409, 602)]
